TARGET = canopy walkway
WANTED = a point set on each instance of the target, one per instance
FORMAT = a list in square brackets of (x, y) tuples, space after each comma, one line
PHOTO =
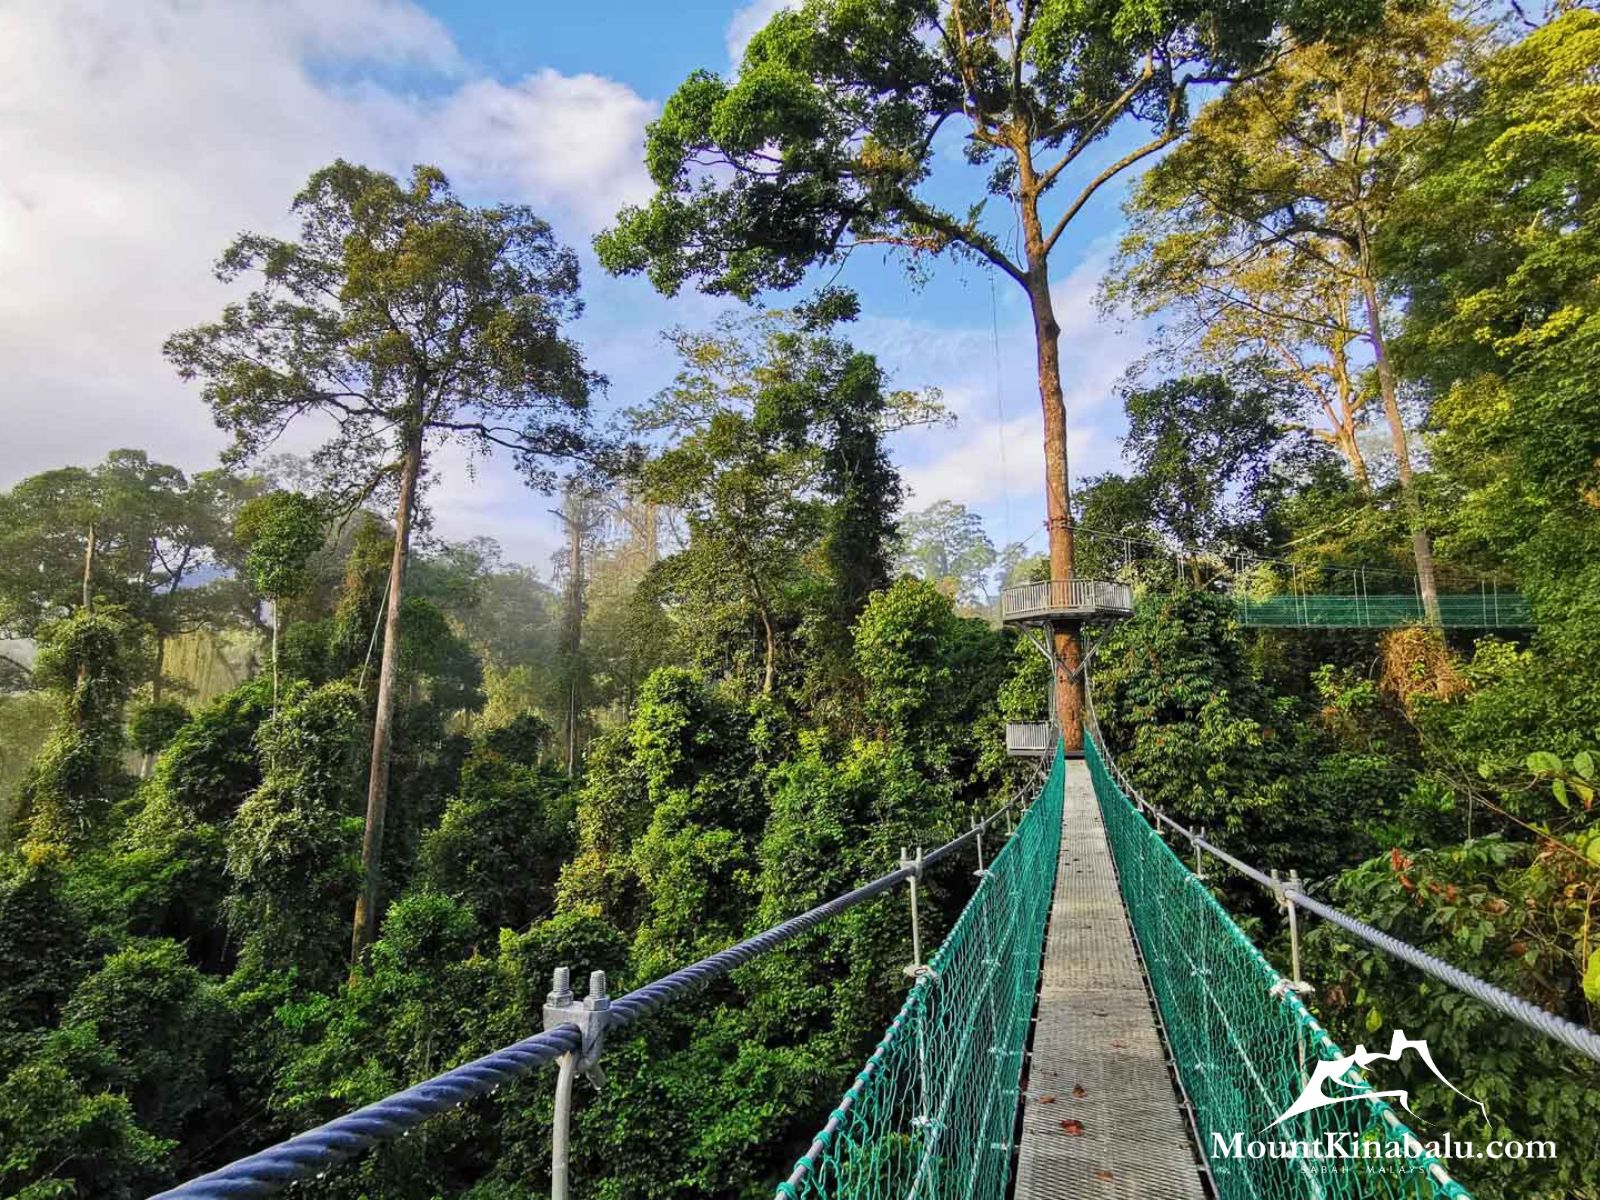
[(1079, 600), (1095, 1024), (1270, 592), (1495, 610)]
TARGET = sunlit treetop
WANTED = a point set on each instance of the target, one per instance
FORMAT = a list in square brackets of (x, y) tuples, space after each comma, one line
[(826, 138)]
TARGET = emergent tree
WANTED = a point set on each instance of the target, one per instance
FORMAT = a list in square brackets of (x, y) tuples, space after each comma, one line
[(404, 317), (834, 135)]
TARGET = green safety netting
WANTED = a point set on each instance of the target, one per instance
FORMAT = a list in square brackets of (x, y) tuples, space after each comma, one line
[(1487, 610), (932, 1113), (1243, 1042)]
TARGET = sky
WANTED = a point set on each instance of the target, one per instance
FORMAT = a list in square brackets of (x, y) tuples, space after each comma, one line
[(137, 137)]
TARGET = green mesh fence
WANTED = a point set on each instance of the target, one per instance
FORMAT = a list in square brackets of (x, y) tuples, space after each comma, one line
[(932, 1114), (1487, 610), (1244, 1044)]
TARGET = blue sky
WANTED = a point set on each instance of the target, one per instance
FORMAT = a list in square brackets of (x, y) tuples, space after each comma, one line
[(141, 137)]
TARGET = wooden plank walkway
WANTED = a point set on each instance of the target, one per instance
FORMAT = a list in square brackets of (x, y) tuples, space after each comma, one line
[(1101, 1117)]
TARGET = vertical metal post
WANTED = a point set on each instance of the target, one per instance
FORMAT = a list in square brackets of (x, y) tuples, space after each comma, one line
[(1294, 932), (566, 1071), (1300, 986), (560, 1127), (915, 968), (590, 1015), (978, 825)]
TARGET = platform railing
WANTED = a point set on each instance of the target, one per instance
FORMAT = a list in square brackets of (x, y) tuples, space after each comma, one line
[(1070, 597), (1031, 739)]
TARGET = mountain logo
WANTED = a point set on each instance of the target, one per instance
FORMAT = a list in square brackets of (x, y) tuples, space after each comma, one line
[(1334, 1071)]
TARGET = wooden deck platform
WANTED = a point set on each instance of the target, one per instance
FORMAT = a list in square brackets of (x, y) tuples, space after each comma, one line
[(1101, 1115)]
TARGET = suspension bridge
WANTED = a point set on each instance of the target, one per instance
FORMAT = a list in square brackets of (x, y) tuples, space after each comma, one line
[(1095, 1023), (1272, 592)]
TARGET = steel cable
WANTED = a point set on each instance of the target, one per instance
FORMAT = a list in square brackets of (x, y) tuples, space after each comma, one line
[(313, 1152), (1576, 1037)]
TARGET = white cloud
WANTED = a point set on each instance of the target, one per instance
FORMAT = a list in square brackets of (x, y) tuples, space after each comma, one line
[(573, 141), (139, 138), (749, 20)]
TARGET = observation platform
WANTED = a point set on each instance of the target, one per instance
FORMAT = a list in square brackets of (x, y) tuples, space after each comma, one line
[(1068, 600), (1032, 739), (1101, 1116)]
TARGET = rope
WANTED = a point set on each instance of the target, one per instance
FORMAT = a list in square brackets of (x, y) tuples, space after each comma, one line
[(312, 1153), (1584, 1041), (1576, 1037)]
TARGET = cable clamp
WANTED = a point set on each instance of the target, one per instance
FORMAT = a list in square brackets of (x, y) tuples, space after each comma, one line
[(914, 864), (592, 1016)]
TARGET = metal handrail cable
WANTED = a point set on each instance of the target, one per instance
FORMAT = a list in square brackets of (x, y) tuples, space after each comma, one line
[(309, 1154)]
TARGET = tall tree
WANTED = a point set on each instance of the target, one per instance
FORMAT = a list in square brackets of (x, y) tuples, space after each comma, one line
[(1292, 324), (406, 318), (1203, 447), (946, 545), (1271, 210), (1497, 250), (583, 514), (779, 469), (280, 533), (834, 135), (132, 531)]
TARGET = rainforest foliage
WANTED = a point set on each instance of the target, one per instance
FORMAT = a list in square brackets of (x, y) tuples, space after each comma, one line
[(750, 676)]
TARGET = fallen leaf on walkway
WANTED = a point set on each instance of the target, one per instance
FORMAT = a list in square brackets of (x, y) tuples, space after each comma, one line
[(1103, 1176), (1072, 1128), (1079, 1091), (1047, 1099)]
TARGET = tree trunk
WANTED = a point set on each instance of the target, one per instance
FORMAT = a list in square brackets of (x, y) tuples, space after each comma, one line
[(274, 656), (1421, 546), (1358, 464), (366, 918), (155, 696), (156, 675), (1345, 418), (772, 655), (88, 570), (1058, 496)]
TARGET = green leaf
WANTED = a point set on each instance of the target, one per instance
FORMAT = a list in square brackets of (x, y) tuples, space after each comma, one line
[(1560, 789), (1542, 762), (1583, 764), (1591, 978), (1374, 1020)]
